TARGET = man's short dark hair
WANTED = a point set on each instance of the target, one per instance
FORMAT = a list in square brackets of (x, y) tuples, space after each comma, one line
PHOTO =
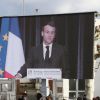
[(51, 23)]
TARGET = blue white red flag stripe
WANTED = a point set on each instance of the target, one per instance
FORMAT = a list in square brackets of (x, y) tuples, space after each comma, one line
[(14, 55)]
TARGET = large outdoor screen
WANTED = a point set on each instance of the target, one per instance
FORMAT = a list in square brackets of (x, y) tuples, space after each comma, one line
[(70, 36)]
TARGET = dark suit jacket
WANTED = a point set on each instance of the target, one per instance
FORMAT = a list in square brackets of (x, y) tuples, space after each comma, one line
[(36, 60)]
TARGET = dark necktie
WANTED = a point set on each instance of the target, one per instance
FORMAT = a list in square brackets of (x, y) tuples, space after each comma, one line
[(47, 53)]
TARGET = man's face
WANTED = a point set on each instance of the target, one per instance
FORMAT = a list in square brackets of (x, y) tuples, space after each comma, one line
[(48, 34)]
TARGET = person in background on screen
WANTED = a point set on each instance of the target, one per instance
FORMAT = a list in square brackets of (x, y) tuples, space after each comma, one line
[(47, 55)]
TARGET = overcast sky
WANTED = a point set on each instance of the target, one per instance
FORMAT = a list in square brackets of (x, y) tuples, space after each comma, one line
[(28, 7)]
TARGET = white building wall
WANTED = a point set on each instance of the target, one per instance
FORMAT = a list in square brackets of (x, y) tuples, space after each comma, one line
[(61, 89), (97, 83), (97, 61), (66, 89)]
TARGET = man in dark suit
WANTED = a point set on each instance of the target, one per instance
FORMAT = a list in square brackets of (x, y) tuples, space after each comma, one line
[(46, 55)]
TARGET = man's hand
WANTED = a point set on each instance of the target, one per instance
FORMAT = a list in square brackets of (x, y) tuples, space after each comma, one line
[(18, 75), (1, 72)]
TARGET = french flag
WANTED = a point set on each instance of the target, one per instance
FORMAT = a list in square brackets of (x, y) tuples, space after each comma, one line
[(15, 55)]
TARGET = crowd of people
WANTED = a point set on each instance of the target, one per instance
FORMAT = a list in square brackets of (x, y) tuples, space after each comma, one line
[(85, 98), (96, 98), (40, 97)]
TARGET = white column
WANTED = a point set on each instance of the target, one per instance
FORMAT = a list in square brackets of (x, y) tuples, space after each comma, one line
[(47, 87), (66, 89), (54, 89), (89, 88)]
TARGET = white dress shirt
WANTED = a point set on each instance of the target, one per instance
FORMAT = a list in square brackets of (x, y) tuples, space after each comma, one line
[(45, 49)]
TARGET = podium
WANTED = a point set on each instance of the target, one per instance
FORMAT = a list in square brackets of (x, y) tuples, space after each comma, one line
[(44, 73)]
